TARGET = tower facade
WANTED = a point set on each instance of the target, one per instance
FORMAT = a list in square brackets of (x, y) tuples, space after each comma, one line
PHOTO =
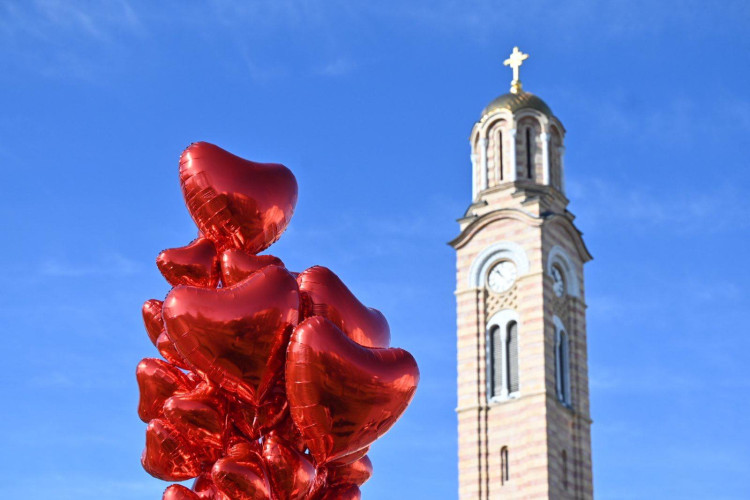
[(523, 397)]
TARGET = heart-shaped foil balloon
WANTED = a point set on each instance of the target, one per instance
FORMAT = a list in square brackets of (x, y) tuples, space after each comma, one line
[(235, 336), (291, 474), (324, 294), (241, 478), (169, 456), (179, 492), (200, 416), (196, 264), (166, 348), (237, 265), (204, 487), (356, 473), (254, 421), (342, 395), (235, 202), (351, 457), (158, 381), (287, 431), (152, 319), (350, 492)]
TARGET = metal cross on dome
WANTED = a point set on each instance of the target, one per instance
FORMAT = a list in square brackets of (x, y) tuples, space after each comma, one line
[(515, 61)]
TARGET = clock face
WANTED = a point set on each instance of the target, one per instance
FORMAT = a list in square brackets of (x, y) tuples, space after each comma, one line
[(502, 276), (558, 282)]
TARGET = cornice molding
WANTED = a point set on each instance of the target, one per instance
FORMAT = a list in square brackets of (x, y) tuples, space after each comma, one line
[(531, 220)]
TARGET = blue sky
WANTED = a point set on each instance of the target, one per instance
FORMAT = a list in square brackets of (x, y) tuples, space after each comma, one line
[(371, 104)]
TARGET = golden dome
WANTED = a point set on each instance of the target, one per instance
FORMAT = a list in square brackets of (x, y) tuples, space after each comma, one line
[(514, 102)]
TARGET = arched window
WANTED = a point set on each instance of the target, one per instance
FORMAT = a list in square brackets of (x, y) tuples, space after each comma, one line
[(496, 360), (529, 155), (562, 364), (555, 158), (504, 468), (511, 347), (564, 458), (500, 173), (562, 269), (502, 356)]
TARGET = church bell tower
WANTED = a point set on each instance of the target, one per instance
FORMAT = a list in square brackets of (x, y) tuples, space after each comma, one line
[(524, 429)]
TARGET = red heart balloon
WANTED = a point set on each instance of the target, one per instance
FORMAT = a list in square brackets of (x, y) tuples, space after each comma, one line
[(196, 264), (241, 479), (254, 421), (168, 456), (287, 431), (154, 322), (291, 474), (166, 348), (179, 492), (236, 203), (205, 488), (350, 492), (200, 416), (157, 381), (237, 265), (342, 395), (351, 457), (319, 484), (152, 318), (324, 294), (235, 336), (242, 449), (356, 473)]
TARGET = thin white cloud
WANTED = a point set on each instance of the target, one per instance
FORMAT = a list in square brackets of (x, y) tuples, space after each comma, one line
[(109, 265), (642, 207), (65, 39), (49, 20), (573, 20), (338, 67)]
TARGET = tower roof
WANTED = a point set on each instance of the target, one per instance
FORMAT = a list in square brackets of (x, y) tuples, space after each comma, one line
[(515, 101)]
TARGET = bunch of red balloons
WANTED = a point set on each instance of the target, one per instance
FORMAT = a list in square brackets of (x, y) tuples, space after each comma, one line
[(273, 384)]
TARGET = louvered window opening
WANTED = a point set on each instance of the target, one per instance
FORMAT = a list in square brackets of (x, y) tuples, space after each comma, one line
[(512, 350), (562, 367), (500, 155), (529, 163), (497, 360)]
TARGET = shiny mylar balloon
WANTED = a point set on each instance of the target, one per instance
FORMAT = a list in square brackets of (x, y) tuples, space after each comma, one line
[(290, 472), (204, 487), (242, 478), (255, 420), (200, 416), (179, 492), (158, 381), (288, 378), (236, 203), (167, 349), (236, 336), (356, 473), (350, 492), (196, 264), (342, 395), (168, 455), (152, 319), (236, 265), (324, 294), (286, 430)]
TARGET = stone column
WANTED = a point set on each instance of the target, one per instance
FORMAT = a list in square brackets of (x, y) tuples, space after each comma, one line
[(544, 136), (512, 157), (483, 162)]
